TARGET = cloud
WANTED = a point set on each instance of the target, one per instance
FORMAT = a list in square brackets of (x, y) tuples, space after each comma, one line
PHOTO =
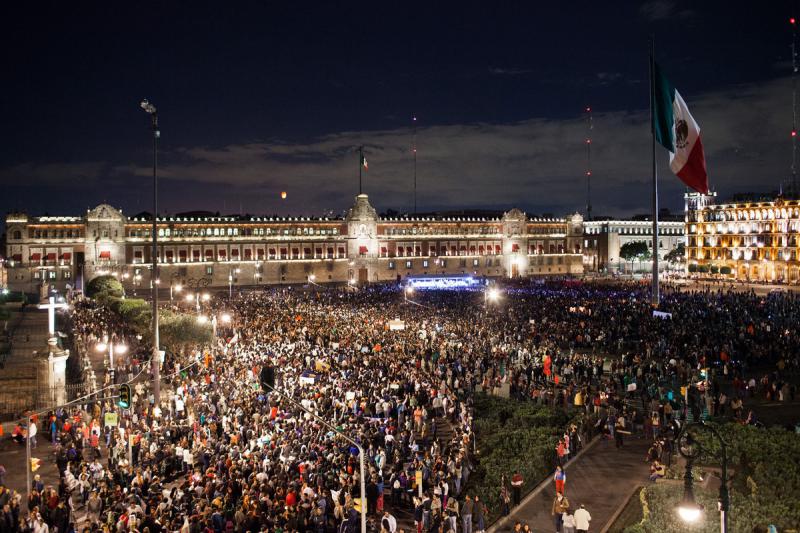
[(656, 10), (500, 71), (537, 164)]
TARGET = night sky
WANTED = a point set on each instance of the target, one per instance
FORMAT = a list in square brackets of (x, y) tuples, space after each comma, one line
[(256, 98)]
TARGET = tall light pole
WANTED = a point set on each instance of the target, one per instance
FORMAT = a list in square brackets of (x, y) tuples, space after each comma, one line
[(689, 510), (151, 110)]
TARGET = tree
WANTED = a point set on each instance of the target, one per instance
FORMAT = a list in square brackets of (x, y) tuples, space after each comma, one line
[(105, 285), (634, 250), (179, 331), (676, 255)]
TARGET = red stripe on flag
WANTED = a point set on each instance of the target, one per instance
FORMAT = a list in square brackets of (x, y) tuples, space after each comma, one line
[(694, 172)]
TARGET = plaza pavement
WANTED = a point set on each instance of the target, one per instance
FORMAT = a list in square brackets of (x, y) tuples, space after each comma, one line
[(602, 478)]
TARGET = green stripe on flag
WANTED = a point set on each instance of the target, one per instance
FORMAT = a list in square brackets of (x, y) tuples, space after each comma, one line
[(663, 118)]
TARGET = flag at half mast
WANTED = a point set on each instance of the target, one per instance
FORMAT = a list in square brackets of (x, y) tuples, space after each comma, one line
[(677, 131), (363, 161)]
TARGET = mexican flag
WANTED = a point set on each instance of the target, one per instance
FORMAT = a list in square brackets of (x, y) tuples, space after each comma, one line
[(677, 131), (364, 162)]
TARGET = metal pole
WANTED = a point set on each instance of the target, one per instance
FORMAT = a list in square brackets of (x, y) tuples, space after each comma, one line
[(360, 164), (724, 497), (364, 490), (415, 163), (654, 291), (156, 343), (28, 458)]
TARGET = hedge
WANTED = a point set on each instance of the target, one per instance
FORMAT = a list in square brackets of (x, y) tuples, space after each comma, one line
[(512, 435), (765, 487)]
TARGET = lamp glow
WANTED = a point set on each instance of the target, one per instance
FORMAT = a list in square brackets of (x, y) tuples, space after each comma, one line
[(690, 512)]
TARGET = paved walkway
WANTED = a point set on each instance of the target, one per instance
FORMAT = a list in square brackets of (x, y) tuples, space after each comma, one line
[(601, 478)]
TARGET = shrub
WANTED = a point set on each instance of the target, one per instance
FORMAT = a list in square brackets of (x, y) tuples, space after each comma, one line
[(725, 270), (765, 487), (511, 436), (692, 268), (104, 284)]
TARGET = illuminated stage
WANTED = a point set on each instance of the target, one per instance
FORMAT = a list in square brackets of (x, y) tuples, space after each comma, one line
[(454, 283)]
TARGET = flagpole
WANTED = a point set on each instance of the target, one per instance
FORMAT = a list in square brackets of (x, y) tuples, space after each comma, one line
[(360, 164), (654, 290)]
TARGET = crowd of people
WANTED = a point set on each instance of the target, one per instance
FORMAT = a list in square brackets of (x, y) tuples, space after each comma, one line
[(224, 451)]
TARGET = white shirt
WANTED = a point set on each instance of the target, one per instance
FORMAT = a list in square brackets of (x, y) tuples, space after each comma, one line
[(582, 518)]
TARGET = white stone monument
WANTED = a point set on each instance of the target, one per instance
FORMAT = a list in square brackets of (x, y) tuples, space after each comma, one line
[(56, 373)]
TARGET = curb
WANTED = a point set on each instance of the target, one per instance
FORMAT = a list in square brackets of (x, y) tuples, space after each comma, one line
[(620, 509), (502, 521)]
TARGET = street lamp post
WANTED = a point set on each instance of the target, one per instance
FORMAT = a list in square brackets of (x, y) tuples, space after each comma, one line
[(119, 348), (689, 510), (151, 110), (231, 272), (176, 288), (490, 295)]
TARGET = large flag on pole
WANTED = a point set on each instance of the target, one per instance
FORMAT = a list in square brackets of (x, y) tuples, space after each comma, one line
[(678, 132)]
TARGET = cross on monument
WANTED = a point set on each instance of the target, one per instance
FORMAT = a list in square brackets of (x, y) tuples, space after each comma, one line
[(51, 314)]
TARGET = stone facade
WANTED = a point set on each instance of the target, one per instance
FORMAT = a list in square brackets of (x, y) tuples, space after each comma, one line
[(216, 251), (604, 238), (748, 240)]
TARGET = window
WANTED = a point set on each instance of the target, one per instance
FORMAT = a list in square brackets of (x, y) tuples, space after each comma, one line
[(51, 274), (37, 275), (474, 262), (408, 264), (66, 274), (391, 265), (209, 271), (425, 263)]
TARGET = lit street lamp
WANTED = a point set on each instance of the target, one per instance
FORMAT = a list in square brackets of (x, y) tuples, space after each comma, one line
[(108, 345), (151, 110), (174, 288), (490, 295), (689, 510), (231, 272)]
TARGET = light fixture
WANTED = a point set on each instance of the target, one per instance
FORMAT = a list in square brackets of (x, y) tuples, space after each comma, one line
[(225, 317), (206, 297), (101, 347), (690, 511), (494, 294), (202, 319), (190, 297), (148, 107), (178, 287)]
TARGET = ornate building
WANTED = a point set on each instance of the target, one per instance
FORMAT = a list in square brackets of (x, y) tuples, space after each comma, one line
[(748, 240), (216, 251), (604, 238)]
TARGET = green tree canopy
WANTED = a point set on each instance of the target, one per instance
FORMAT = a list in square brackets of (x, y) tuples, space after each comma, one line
[(179, 331), (677, 255), (105, 285), (634, 250)]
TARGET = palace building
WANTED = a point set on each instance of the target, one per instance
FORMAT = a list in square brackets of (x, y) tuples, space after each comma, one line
[(746, 240), (603, 240), (235, 251)]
